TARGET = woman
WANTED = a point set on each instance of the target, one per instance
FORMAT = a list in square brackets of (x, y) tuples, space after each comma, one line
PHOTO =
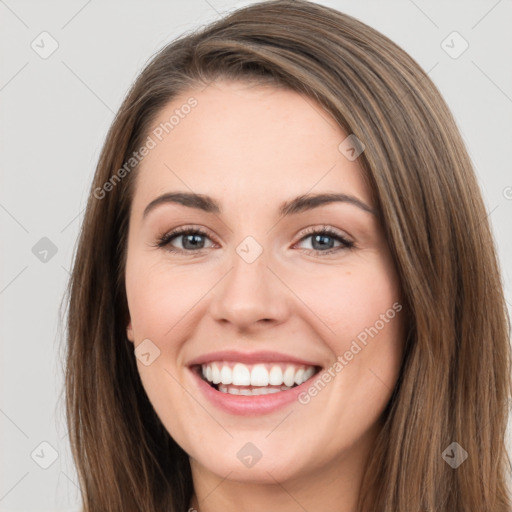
[(286, 293)]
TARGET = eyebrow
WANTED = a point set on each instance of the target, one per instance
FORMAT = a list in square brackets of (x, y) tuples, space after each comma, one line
[(300, 204)]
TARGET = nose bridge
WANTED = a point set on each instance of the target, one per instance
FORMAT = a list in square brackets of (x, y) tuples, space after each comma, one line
[(250, 292)]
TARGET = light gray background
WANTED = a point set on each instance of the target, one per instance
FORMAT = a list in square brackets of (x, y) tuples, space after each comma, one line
[(55, 115)]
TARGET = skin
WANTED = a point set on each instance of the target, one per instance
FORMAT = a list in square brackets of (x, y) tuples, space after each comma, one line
[(251, 148)]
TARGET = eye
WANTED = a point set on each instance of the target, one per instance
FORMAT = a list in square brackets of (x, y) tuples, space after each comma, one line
[(192, 240), (323, 240)]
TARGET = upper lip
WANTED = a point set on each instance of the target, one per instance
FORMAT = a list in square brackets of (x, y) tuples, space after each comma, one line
[(249, 358)]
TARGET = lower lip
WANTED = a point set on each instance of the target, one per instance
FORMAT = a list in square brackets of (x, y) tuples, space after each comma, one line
[(247, 405)]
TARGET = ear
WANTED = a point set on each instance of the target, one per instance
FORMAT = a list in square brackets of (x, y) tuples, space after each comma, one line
[(129, 332)]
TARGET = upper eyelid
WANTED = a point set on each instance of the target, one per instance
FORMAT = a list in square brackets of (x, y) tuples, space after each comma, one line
[(182, 230), (321, 228)]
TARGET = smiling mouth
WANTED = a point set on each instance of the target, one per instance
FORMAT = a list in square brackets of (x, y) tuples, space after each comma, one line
[(254, 379)]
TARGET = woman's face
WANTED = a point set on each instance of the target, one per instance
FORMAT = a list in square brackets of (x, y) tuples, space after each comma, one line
[(254, 294)]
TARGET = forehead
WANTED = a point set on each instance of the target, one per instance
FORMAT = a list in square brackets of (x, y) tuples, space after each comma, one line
[(235, 139)]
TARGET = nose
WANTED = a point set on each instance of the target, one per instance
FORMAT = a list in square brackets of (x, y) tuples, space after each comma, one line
[(250, 295)]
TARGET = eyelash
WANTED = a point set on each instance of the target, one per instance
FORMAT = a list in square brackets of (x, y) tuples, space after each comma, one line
[(165, 240)]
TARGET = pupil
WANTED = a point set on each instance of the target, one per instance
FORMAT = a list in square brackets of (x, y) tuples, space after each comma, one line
[(196, 241), (323, 238)]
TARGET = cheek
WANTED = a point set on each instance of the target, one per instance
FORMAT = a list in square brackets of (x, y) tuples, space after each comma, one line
[(350, 300), (361, 306), (159, 296)]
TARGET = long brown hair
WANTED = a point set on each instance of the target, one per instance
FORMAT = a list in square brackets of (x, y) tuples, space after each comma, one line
[(455, 381)]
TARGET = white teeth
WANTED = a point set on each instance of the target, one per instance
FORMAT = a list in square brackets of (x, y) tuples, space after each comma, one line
[(269, 377), (276, 376), (226, 376), (215, 374), (259, 375), (308, 373), (289, 376), (241, 375), (298, 376)]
